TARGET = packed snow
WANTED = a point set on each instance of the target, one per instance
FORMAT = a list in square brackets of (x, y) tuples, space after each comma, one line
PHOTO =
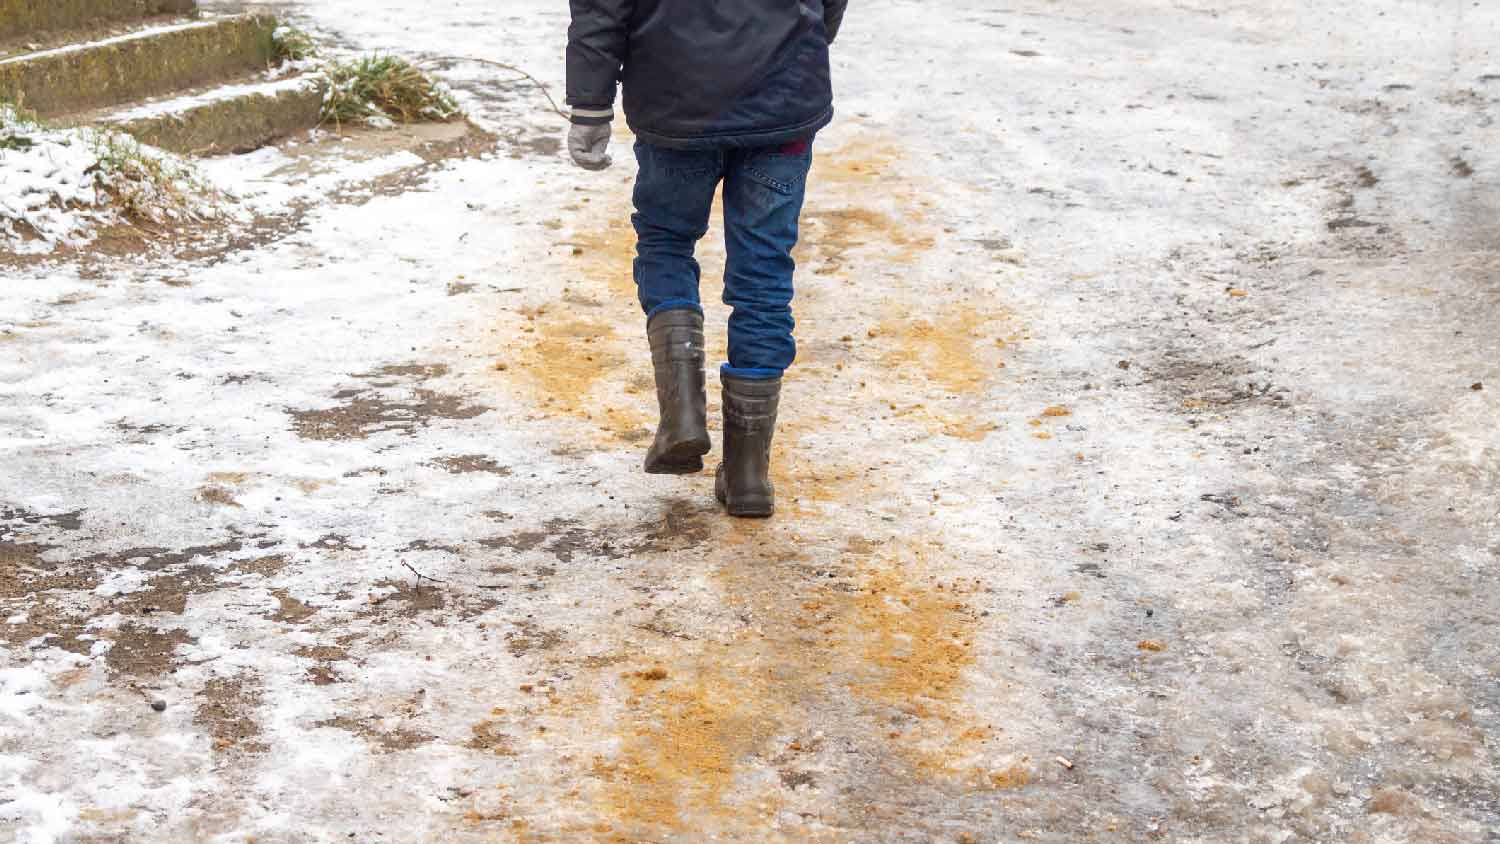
[(61, 187), (49, 185), (1138, 473)]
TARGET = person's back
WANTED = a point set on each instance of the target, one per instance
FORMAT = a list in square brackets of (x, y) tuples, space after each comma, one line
[(729, 91), (701, 73)]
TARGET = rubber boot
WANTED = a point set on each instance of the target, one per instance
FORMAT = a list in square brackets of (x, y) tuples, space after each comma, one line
[(677, 355), (743, 483)]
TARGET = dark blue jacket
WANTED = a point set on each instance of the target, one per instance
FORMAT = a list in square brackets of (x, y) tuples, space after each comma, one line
[(705, 73)]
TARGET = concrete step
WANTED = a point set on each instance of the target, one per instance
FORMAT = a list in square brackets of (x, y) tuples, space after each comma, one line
[(147, 63), (32, 18), (232, 118)]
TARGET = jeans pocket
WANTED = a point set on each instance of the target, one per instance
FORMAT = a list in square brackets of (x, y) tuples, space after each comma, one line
[(784, 174)]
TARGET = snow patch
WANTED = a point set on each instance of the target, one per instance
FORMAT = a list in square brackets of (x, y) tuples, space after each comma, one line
[(260, 180), (48, 182), (123, 583), (19, 691), (59, 186)]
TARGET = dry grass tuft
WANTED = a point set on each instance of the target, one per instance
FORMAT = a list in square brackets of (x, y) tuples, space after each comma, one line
[(380, 89)]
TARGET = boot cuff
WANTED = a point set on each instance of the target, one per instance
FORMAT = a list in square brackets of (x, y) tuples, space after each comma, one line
[(750, 388), (675, 318)]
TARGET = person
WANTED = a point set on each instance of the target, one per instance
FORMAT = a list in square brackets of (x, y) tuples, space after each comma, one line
[(727, 92)]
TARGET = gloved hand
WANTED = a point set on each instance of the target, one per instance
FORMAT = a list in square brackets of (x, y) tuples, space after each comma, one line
[(589, 145)]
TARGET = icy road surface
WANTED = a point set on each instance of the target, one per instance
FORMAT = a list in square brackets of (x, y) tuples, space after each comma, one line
[(1140, 475)]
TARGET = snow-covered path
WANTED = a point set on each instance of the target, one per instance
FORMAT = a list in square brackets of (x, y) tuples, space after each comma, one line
[(1140, 477)]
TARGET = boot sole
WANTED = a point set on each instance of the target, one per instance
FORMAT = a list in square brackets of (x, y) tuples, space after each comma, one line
[(685, 458), (751, 509), (754, 508)]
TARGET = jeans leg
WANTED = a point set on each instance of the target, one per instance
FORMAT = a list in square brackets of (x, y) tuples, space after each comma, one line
[(674, 194), (763, 194)]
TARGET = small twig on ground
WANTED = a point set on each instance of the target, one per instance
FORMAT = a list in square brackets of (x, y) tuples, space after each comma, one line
[(420, 576), (503, 66)]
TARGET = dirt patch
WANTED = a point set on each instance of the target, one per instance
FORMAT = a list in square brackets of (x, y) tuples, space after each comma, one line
[(567, 359), (370, 729), (887, 647), (14, 517), (142, 652), (326, 658), (522, 541), (429, 545), (99, 258), (226, 710), (217, 495), (1204, 385), (681, 750), (334, 542), (291, 610), (263, 566), (391, 399), (863, 240), (682, 525), (956, 348), (47, 622), (571, 539), (411, 599), (157, 559), (140, 648), (835, 239), (470, 464), (569, 352), (797, 779), (16, 557), (167, 593), (144, 433), (528, 637), (323, 675), (919, 638), (490, 737)]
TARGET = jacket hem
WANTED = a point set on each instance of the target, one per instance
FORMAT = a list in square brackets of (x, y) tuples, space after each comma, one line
[(734, 140)]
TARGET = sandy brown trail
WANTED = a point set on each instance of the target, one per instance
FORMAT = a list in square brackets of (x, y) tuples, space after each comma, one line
[(814, 636)]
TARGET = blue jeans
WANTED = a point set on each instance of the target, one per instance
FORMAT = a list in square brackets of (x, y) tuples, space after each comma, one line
[(763, 193)]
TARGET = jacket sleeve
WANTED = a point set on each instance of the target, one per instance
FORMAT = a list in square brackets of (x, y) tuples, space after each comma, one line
[(833, 16), (597, 41)]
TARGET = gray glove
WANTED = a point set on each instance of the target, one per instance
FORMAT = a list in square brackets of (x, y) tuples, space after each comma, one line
[(589, 145)]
